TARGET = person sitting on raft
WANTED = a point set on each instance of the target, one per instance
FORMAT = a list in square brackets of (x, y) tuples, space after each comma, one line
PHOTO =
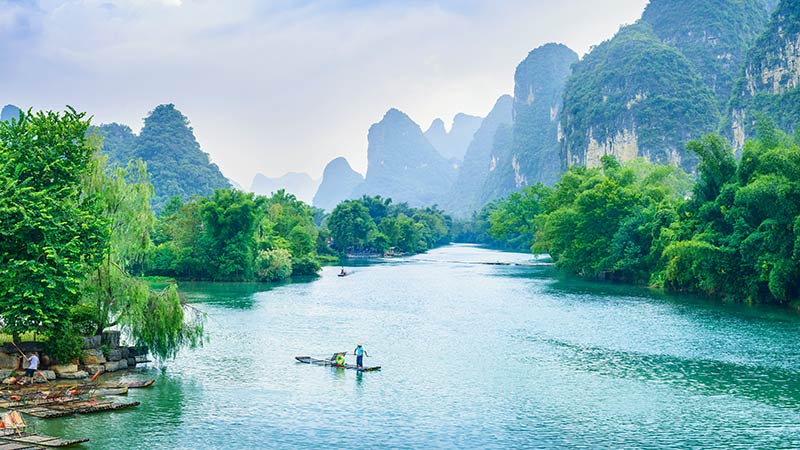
[(338, 359)]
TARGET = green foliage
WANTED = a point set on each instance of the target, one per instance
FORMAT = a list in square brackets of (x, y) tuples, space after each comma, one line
[(635, 82), (713, 34), (375, 225), (111, 296), (273, 265), (52, 233), (234, 236), (229, 219), (158, 321), (66, 345), (351, 226), (737, 237), (176, 163), (512, 220)]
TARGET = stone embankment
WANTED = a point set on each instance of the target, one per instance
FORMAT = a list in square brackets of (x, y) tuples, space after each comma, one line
[(101, 353)]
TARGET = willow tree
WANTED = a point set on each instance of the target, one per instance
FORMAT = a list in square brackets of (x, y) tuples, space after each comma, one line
[(112, 297)]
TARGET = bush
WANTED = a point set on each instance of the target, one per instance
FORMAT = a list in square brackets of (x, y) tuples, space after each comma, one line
[(64, 346), (273, 265), (306, 265)]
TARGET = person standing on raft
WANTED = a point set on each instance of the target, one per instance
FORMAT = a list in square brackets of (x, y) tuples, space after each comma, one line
[(33, 365), (360, 353)]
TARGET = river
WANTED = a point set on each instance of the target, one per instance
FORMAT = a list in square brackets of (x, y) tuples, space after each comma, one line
[(473, 356)]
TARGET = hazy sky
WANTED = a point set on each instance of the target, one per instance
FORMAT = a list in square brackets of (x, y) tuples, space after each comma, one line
[(273, 86)]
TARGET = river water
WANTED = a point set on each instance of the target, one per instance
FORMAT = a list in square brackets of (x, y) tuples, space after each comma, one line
[(473, 356)]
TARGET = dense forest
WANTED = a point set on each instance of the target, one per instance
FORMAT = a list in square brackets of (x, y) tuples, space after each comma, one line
[(733, 234), (373, 225), (236, 236)]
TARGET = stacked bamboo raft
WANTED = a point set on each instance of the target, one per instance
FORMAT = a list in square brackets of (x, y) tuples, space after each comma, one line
[(68, 408), (11, 439)]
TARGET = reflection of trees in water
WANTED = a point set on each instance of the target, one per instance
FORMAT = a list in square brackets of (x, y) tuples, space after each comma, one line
[(771, 385)]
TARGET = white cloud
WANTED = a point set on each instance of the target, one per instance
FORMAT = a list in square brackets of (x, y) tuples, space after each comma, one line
[(274, 86)]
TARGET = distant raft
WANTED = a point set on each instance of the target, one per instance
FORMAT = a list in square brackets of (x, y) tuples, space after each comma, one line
[(328, 362)]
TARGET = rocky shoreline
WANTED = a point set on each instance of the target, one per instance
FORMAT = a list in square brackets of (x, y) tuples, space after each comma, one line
[(102, 353)]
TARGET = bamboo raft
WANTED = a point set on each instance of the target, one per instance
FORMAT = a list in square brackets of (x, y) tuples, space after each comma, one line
[(29, 393), (19, 440), (53, 410), (328, 362)]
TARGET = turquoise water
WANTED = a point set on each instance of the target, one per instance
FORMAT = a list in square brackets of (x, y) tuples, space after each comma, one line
[(473, 356)]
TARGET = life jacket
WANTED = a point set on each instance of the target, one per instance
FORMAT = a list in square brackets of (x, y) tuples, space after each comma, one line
[(340, 359)]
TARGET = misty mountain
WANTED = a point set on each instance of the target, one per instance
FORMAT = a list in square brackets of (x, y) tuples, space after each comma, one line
[(403, 165), (466, 195), (533, 155), (338, 182), (300, 184), (175, 162), (454, 144)]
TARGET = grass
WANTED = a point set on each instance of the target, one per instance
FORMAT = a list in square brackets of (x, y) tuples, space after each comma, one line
[(26, 337)]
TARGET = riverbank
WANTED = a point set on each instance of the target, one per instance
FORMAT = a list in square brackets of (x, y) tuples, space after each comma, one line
[(101, 353)]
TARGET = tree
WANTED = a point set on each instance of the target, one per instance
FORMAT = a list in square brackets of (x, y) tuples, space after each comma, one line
[(51, 233), (114, 298), (513, 219), (350, 225), (230, 218)]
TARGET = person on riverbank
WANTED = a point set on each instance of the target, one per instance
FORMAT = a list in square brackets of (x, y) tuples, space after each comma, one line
[(33, 365), (360, 353)]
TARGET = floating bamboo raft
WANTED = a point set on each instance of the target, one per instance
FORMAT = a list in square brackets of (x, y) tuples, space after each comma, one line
[(328, 362), (19, 440), (68, 408)]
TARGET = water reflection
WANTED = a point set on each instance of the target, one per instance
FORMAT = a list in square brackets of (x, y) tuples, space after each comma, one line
[(473, 356)]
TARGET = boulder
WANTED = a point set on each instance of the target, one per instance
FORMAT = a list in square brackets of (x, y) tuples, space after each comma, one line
[(138, 351), (111, 338), (94, 368), (124, 352), (131, 362), (114, 354), (79, 375), (92, 341), (62, 369), (113, 366), (93, 357), (5, 373), (9, 361)]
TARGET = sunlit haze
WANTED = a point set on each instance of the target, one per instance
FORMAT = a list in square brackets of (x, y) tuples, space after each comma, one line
[(281, 85)]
